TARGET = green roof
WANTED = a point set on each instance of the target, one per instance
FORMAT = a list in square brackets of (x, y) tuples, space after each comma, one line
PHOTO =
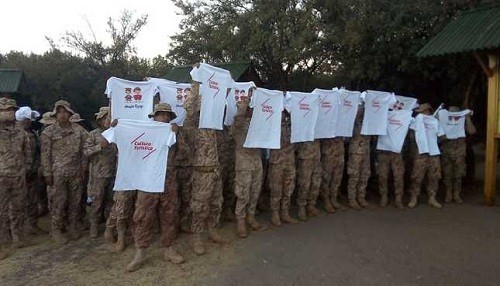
[(181, 73), (10, 80), (473, 30)]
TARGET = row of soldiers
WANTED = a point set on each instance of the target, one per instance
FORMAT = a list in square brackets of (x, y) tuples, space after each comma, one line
[(209, 174)]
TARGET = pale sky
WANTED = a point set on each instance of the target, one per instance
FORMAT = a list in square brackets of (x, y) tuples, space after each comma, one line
[(25, 23)]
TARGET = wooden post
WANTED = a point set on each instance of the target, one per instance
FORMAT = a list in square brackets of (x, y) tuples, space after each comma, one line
[(492, 131)]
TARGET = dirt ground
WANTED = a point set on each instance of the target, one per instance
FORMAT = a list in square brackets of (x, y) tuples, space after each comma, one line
[(457, 245)]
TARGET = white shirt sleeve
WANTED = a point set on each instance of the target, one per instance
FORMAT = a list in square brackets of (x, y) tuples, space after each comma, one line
[(171, 139), (109, 135)]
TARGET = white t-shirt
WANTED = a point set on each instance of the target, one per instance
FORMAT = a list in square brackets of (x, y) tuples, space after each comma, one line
[(404, 103), (175, 95), (213, 90), (427, 130), (265, 126), (238, 91), (130, 99), (453, 123), (397, 128), (377, 105), (349, 104), (304, 108), (142, 154), (328, 114)]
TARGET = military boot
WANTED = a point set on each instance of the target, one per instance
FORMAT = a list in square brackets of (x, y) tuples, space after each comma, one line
[(2, 255), (241, 228), (59, 238), (34, 229), (121, 243), (338, 206), (139, 258), (362, 202), (399, 202), (109, 235), (383, 200), (17, 241), (449, 196), (254, 224), (413, 201), (198, 245), (275, 218), (354, 204), (173, 256), (214, 236), (285, 216), (457, 198), (312, 210), (328, 206), (433, 202), (302, 213), (94, 230), (74, 231)]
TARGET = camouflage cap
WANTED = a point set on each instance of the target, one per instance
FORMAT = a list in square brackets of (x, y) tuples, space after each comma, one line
[(423, 107), (6, 103), (103, 111), (76, 118), (454, 109), (47, 118), (62, 103), (163, 107)]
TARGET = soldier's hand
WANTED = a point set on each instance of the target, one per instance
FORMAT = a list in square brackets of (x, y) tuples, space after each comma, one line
[(104, 143), (114, 123), (175, 127), (49, 181)]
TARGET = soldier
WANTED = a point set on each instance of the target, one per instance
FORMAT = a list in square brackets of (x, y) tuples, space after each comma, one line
[(64, 166), (388, 161), (424, 164), (43, 201), (206, 199), (120, 219), (358, 165), (454, 166), (308, 177), (183, 175), (248, 173), (281, 176), (332, 161), (226, 150), (15, 163), (162, 206), (102, 168), (24, 117)]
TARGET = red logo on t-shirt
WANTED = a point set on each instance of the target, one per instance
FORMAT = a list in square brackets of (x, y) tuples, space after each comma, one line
[(266, 108), (143, 145), (213, 84)]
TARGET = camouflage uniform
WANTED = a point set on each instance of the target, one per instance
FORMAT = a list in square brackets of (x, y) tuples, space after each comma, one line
[(206, 196), (454, 167), (120, 217), (282, 171), (102, 168), (388, 161), (358, 163), (32, 180), (183, 175), (308, 172), (226, 150), (332, 160), (63, 159), (15, 161), (248, 166)]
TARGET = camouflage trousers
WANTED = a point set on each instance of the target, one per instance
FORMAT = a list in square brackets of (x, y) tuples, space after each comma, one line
[(12, 207), (101, 194), (66, 200), (148, 208), (281, 179), (333, 171), (308, 181), (122, 211), (425, 165), (454, 169), (228, 175), (358, 170), (206, 198), (184, 177), (387, 161), (32, 201), (248, 185)]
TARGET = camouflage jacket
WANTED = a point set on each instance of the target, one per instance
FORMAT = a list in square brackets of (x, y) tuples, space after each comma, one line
[(360, 144), (332, 147), (102, 162), (286, 154), (309, 150), (226, 147), (15, 152), (182, 151), (204, 141), (454, 148), (62, 150), (245, 158)]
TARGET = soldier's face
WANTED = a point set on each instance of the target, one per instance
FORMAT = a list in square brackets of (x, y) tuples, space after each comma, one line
[(162, 116), (105, 122), (7, 115), (62, 115)]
